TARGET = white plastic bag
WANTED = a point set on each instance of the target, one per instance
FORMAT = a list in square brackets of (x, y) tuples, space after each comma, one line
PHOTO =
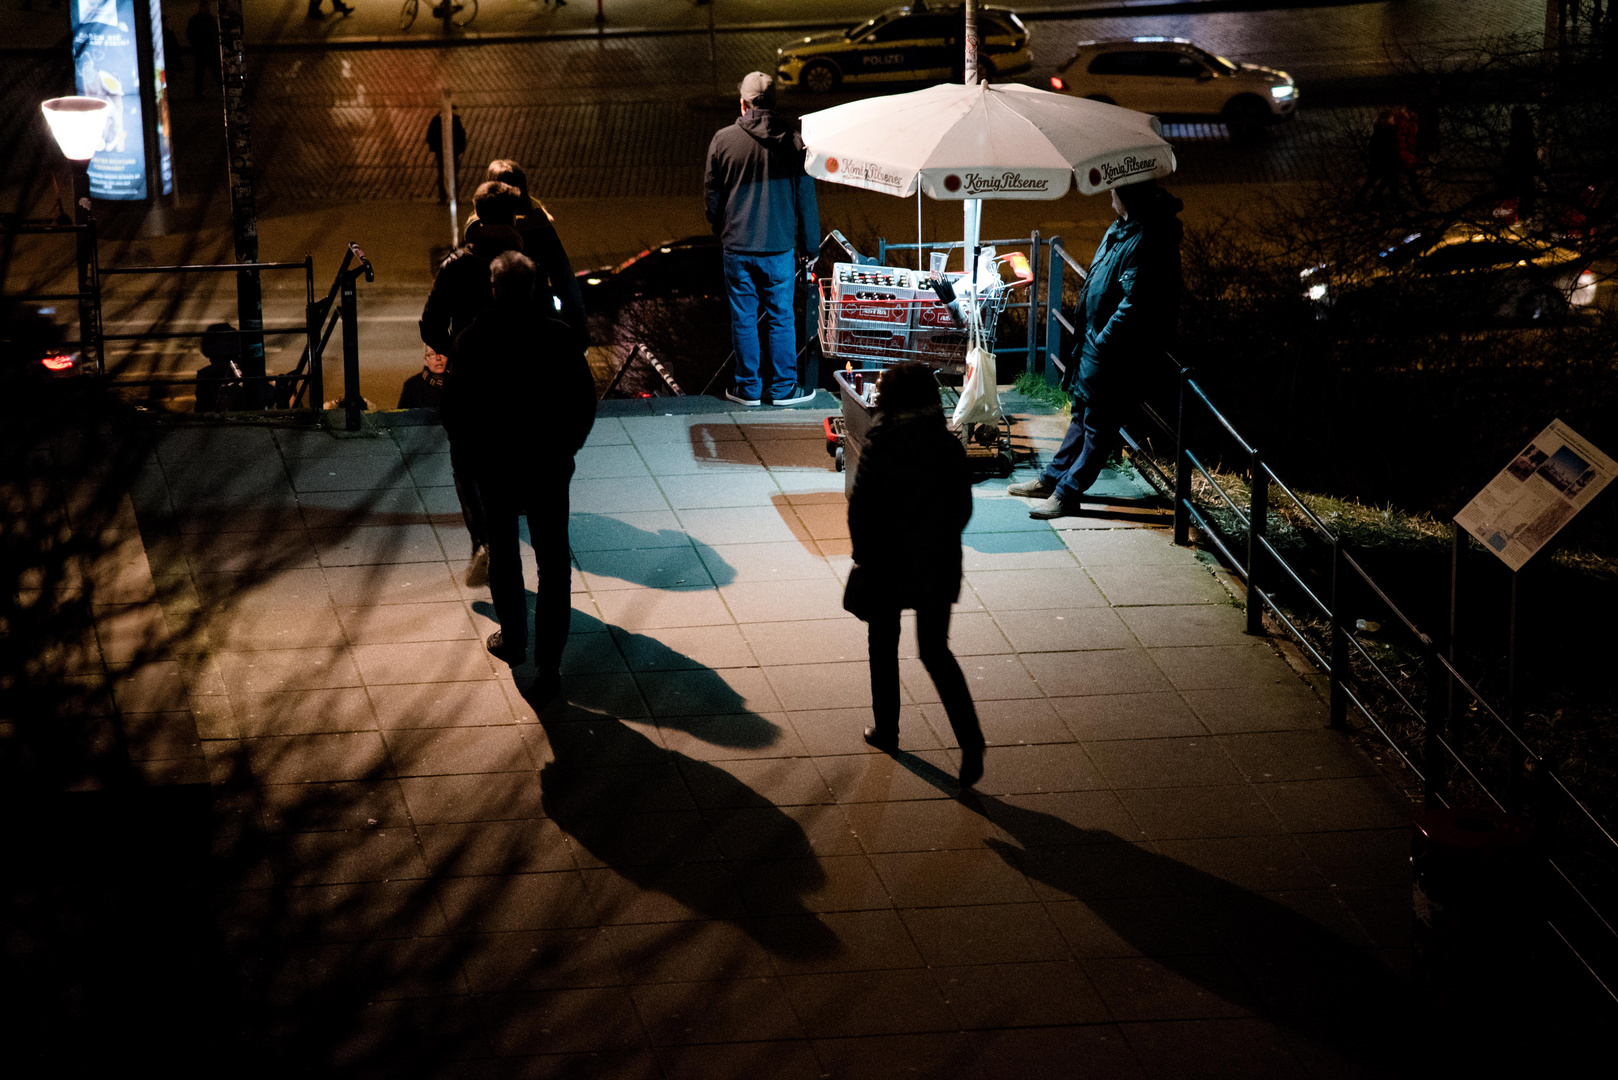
[(979, 402)]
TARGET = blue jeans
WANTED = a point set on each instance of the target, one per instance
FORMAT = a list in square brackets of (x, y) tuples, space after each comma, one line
[(1090, 440), (760, 290)]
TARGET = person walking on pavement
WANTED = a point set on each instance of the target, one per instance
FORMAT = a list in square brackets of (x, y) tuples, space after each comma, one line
[(202, 34), (435, 144), (514, 356), (459, 293), (761, 205), (541, 244), (912, 497), (337, 8), (1128, 314)]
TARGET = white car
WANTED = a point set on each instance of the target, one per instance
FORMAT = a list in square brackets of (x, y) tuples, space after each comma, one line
[(1172, 77)]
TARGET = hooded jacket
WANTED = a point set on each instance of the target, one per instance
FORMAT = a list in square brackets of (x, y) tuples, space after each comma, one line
[(461, 289), (1131, 301), (759, 199)]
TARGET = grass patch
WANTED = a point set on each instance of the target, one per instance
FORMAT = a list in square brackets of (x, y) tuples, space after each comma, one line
[(1034, 387)]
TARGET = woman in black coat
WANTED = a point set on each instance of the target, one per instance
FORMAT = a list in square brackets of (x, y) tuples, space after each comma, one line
[(912, 497)]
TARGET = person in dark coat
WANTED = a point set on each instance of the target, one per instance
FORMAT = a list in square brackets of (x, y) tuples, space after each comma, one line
[(762, 207), (435, 144), (1127, 313), (202, 34), (912, 497), (512, 358), (541, 244), (459, 293), (425, 389), (219, 384)]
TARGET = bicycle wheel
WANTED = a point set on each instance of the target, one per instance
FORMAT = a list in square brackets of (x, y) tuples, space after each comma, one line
[(468, 11), (407, 14)]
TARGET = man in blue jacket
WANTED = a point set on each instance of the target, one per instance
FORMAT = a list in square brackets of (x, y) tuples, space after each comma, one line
[(1128, 312), (761, 204)]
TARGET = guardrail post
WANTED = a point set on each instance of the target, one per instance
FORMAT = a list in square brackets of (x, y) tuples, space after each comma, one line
[(1053, 309), (1182, 466), (1031, 364), (1258, 514), (353, 404), (1515, 781), (1433, 713), (1339, 640)]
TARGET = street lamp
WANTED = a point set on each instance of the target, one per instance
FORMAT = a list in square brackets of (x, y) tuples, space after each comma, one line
[(77, 124)]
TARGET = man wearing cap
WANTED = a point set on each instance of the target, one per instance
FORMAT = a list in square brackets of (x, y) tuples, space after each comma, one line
[(761, 204)]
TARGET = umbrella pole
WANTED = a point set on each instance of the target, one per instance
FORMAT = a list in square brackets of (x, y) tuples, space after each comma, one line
[(972, 213), (920, 255)]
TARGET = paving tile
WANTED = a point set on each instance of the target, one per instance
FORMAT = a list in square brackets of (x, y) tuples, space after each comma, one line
[(971, 633), (349, 807), (661, 431), (1222, 666), (399, 623), (988, 678), (1029, 721), (215, 443), (402, 583), (1013, 994), (781, 601), (1065, 818), (748, 834), (925, 825), (465, 660), (1001, 515), (651, 568), (729, 737), (731, 1010), (737, 525), (1296, 755), (1103, 671), (1179, 625), (443, 704), (495, 847), (1168, 988), (1372, 858), (151, 687), (823, 686), (348, 473), (1127, 547), (348, 912), (304, 589), (841, 731), (820, 521), (950, 878), (1020, 769), (358, 755), (607, 431), (985, 934), (1136, 763), (274, 628), (365, 504), (860, 941), (1128, 716), (829, 883), (661, 893), (808, 641), (591, 654), (777, 1060), (627, 529), (1324, 805), (934, 1056), (371, 545), (1255, 863), (537, 960), (199, 479), (693, 492), (653, 609), (1064, 629), (796, 454), (1287, 705), (1089, 1052), (1176, 813), (515, 901), (612, 694), (874, 777), (598, 1018), (297, 712), (430, 470), (236, 552), (868, 1003), (704, 692), (765, 782), (573, 794), (329, 857), (440, 751), (1214, 1048), (685, 952), (1024, 590), (608, 460), (1129, 585), (779, 561), (1021, 550), (615, 495)]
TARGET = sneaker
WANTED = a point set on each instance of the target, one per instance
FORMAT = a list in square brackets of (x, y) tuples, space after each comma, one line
[(511, 654), (477, 568), (738, 399), (800, 396), (885, 741), (1052, 508), (1040, 488)]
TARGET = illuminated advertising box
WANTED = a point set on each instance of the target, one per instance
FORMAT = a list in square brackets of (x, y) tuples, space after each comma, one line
[(107, 64)]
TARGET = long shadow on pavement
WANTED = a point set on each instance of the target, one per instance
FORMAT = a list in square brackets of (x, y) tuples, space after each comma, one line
[(1247, 949)]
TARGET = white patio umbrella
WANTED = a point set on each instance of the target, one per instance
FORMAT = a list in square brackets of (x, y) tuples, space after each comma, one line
[(983, 142)]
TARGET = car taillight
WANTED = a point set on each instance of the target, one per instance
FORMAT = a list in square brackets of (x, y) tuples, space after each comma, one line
[(58, 362), (1057, 83)]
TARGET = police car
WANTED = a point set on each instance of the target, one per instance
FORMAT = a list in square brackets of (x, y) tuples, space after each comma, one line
[(904, 44)]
